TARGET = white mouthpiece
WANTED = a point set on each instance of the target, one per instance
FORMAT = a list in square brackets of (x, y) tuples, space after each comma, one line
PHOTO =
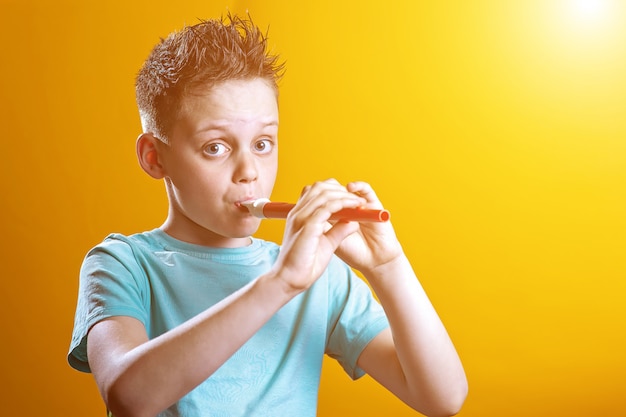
[(256, 206)]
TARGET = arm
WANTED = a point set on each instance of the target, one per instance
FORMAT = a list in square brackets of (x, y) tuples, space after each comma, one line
[(141, 377), (415, 359)]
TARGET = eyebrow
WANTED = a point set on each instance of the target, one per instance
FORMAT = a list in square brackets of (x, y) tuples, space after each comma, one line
[(222, 125)]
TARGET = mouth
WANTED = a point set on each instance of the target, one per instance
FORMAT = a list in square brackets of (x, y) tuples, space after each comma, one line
[(244, 205), (255, 207)]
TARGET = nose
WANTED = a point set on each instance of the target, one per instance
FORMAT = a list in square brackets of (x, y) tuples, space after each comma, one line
[(246, 168)]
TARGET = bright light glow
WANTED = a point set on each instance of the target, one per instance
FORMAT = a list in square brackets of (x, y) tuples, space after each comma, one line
[(589, 25), (570, 51), (591, 11)]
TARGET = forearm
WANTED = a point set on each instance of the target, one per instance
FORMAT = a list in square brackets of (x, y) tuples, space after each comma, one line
[(152, 375), (432, 371)]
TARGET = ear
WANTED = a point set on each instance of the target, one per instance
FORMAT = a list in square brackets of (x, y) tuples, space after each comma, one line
[(148, 155)]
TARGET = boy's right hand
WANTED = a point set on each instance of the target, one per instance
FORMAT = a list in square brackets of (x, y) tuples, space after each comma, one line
[(310, 240)]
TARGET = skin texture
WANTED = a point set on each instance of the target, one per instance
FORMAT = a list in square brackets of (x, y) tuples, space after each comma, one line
[(232, 156), (224, 145)]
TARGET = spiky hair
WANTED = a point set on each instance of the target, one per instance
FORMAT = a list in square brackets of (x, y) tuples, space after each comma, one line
[(203, 55)]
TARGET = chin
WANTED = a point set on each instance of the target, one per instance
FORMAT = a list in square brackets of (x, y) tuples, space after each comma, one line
[(247, 230)]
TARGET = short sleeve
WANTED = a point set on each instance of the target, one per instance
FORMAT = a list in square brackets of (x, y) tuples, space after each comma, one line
[(356, 317), (111, 284)]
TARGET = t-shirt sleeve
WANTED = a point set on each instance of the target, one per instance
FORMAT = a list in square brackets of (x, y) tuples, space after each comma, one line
[(356, 317), (111, 284)]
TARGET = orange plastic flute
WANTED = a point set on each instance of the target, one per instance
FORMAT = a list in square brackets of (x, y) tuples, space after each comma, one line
[(266, 209)]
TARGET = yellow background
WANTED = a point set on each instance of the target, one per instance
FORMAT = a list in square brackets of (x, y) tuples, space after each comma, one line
[(494, 131)]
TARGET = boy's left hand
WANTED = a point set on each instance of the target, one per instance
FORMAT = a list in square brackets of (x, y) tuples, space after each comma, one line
[(373, 244)]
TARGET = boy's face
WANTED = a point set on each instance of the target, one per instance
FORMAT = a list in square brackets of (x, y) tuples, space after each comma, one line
[(223, 150)]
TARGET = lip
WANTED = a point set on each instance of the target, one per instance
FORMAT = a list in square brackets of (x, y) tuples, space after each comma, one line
[(240, 206), (239, 202)]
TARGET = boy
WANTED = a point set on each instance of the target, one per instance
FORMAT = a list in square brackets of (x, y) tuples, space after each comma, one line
[(197, 318)]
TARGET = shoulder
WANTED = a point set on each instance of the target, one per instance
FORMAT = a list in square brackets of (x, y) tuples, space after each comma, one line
[(144, 240), (117, 244), (119, 255)]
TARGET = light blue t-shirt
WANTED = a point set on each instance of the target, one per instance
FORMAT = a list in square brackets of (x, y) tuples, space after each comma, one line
[(163, 282)]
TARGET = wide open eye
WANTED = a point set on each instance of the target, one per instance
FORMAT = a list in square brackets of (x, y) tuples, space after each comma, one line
[(215, 149), (263, 146)]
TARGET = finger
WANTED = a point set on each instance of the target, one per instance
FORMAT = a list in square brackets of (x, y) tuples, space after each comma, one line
[(364, 190), (339, 231), (331, 182), (322, 209), (324, 194)]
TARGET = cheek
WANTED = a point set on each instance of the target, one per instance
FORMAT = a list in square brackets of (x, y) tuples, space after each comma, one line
[(270, 171), (196, 181)]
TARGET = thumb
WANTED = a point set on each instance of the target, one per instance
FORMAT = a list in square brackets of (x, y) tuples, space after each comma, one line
[(339, 231)]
